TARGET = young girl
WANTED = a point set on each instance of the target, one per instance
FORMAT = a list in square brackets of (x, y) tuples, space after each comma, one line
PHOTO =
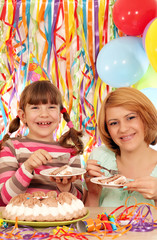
[(128, 126), (22, 158)]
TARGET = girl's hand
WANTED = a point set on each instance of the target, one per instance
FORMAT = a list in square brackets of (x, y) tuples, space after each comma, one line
[(64, 184), (65, 180), (37, 159), (147, 186)]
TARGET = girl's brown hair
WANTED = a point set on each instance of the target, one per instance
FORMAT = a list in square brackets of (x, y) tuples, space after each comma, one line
[(42, 92), (131, 99)]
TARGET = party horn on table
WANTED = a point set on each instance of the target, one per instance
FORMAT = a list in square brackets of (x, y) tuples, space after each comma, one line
[(112, 219), (90, 225), (104, 217)]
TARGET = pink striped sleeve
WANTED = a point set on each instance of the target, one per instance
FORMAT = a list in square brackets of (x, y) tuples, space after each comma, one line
[(75, 191), (5, 175), (6, 153), (22, 178), (12, 176), (79, 194), (5, 195)]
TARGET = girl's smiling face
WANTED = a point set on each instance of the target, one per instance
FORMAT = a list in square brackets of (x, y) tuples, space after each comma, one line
[(42, 120), (125, 128)]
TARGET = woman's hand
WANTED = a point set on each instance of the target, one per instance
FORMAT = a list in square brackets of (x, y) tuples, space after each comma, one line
[(37, 159), (93, 168), (147, 186)]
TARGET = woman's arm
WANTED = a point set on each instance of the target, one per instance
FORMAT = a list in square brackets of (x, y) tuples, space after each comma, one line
[(92, 196), (93, 193)]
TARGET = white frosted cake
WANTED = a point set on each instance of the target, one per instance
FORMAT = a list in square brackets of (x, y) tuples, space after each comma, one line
[(44, 207)]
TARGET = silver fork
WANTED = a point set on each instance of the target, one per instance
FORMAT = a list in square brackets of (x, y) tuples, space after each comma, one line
[(111, 171)]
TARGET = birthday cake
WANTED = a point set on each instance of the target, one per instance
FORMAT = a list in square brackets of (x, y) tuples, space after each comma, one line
[(116, 179), (41, 207)]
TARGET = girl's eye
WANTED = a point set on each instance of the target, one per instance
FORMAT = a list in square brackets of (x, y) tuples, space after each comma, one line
[(52, 107), (34, 107)]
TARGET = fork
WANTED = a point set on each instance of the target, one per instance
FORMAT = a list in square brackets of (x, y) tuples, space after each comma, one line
[(111, 171)]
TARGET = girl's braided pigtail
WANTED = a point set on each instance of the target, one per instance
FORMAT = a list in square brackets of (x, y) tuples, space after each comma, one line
[(13, 127), (72, 137)]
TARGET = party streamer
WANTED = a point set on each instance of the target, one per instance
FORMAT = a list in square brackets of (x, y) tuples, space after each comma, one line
[(65, 38), (137, 218)]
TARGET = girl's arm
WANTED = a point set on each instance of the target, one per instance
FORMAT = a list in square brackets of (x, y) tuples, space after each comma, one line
[(14, 179), (73, 186)]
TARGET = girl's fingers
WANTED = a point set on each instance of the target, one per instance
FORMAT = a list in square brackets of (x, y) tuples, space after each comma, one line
[(41, 157), (64, 180), (52, 179), (73, 178), (37, 159), (58, 180), (47, 156), (44, 155)]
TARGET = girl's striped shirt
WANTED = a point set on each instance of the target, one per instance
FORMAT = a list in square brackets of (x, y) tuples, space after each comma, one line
[(15, 179)]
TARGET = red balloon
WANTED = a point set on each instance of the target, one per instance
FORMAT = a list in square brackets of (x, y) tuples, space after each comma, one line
[(132, 16)]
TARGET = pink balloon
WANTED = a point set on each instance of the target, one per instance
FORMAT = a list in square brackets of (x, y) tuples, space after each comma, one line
[(145, 32)]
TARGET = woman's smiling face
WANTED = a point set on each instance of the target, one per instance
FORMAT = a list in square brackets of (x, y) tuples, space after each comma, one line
[(125, 128)]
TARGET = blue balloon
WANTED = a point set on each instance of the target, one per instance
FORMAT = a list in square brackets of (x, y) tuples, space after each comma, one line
[(122, 62), (151, 93)]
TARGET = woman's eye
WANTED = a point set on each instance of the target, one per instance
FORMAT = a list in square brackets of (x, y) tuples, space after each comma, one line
[(131, 117), (113, 123)]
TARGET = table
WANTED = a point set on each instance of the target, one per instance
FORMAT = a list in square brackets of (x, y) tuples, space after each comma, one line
[(129, 235), (94, 211)]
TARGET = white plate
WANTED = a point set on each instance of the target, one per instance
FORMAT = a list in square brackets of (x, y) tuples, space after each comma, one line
[(75, 172), (107, 185)]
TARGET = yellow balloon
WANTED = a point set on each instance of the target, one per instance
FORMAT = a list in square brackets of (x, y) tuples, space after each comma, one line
[(149, 79), (151, 44)]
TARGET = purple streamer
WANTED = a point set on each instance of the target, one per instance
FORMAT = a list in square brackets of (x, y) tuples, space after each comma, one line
[(140, 224), (96, 25), (56, 6)]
